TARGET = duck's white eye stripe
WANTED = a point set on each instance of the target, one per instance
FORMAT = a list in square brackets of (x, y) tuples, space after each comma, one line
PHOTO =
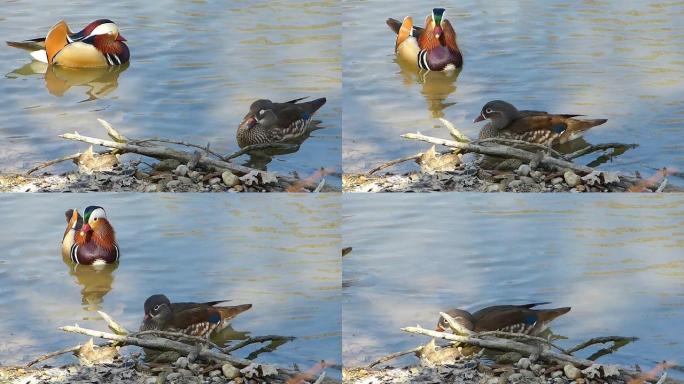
[(104, 29)]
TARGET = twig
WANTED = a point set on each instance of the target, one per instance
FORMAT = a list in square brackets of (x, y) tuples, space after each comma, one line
[(502, 151), (511, 142), (161, 140), (394, 162), (662, 186), (53, 354), (176, 335), (394, 356), (319, 186), (662, 378), (53, 162), (598, 147), (502, 344), (60, 160), (258, 339), (259, 147), (522, 336), (160, 344), (455, 133), (322, 376), (113, 133), (113, 325), (600, 340)]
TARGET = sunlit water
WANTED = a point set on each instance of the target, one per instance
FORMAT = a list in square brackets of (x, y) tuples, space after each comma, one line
[(281, 254), (195, 68), (617, 60), (617, 261)]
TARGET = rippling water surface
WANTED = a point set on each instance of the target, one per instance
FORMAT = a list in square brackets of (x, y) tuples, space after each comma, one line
[(196, 66), (281, 254), (617, 261), (620, 60)]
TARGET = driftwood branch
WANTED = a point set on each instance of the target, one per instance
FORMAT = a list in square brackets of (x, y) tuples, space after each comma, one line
[(526, 144), (177, 142), (502, 345), (161, 152), (160, 344), (502, 151)]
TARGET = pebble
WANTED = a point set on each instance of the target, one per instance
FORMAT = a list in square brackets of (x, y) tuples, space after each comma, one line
[(173, 183), (527, 374), (167, 165), (571, 372), (557, 374), (571, 178), (537, 175), (524, 170), (515, 183), (181, 170), (229, 371), (557, 180), (527, 180), (523, 363), (493, 188), (230, 179), (151, 380), (151, 188), (182, 362), (515, 377), (214, 181), (173, 376), (185, 180)]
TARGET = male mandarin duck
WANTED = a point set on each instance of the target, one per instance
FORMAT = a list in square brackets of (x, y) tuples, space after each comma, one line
[(432, 48), (99, 44), (507, 318), (195, 319), (89, 239), (533, 126), (269, 122)]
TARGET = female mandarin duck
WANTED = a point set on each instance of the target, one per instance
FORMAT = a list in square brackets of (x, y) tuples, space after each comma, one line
[(539, 127), (505, 318), (89, 239), (269, 122), (432, 48), (99, 44), (195, 319)]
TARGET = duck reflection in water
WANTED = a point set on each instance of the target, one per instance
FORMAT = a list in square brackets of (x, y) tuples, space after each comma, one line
[(259, 159), (95, 82), (435, 86), (95, 281)]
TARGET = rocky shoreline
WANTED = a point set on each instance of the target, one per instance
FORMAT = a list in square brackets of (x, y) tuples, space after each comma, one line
[(475, 371), (132, 370), (469, 177), (166, 176)]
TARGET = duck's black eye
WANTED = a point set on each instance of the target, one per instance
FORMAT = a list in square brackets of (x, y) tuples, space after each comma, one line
[(488, 110), (156, 308)]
